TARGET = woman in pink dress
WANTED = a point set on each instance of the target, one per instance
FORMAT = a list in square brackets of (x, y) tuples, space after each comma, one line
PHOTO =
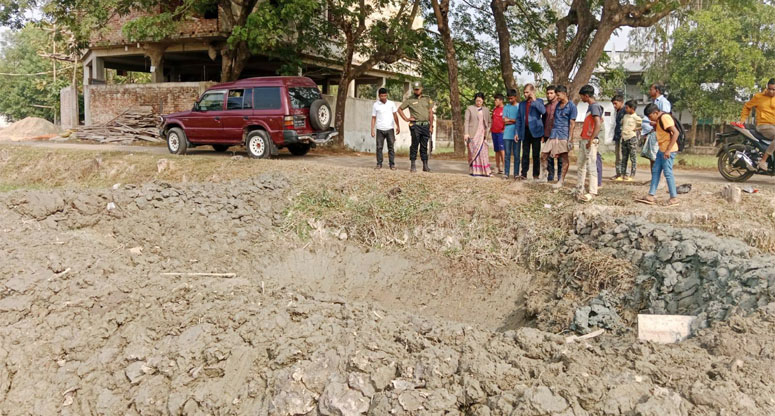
[(477, 125)]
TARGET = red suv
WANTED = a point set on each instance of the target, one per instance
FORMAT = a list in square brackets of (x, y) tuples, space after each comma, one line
[(265, 114)]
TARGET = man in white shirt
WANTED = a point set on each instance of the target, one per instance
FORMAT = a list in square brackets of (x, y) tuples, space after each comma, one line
[(384, 119)]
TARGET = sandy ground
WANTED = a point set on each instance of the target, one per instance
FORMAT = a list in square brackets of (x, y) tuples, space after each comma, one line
[(402, 162), (317, 289)]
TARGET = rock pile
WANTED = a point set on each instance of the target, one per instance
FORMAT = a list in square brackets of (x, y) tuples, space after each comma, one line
[(683, 271)]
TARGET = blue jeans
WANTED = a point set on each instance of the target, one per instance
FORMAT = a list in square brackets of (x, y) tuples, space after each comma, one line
[(512, 148), (662, 165)]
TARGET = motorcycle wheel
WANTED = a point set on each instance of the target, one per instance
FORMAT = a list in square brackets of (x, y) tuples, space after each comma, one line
[(729, 172)]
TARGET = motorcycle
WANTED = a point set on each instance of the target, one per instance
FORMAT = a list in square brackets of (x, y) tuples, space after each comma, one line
[(740, 151)]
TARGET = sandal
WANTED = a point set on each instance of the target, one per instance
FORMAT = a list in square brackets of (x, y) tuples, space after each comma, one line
[(648, 200), (672, 202)]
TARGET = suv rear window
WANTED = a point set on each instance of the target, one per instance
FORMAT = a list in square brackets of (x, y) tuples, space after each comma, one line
[(266, 98), (302, 97)]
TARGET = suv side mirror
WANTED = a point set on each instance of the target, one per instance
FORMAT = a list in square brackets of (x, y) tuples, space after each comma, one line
[(196, 106)]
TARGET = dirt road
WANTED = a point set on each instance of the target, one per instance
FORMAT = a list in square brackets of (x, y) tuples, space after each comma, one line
[(361, 161)]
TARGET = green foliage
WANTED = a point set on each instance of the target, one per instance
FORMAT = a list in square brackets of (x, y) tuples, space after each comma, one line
[(477, 56), (13, 12), (150, 28), (19, 55), (720, 58), (612, 82), (286, 29)]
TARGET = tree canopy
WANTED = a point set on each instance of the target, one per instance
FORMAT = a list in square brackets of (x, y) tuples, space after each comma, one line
[(719, 58), (26, 78)]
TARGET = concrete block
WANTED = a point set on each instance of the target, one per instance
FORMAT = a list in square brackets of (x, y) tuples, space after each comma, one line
[(664, 329)]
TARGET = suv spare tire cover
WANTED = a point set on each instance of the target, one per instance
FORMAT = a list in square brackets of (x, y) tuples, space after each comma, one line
[(320, 114)]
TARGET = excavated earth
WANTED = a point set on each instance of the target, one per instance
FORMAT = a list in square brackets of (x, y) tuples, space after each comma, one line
[(191, 299)]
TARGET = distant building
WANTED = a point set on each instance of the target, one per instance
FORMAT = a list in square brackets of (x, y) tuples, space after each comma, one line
[(634, 88)]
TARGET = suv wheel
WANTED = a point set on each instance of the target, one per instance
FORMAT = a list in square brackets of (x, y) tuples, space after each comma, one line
[(258, 145), (299, 149), (177, 143), (320, 114), (220, 147)]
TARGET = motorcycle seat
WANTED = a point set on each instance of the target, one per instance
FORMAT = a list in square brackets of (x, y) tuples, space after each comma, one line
[(760, 136)]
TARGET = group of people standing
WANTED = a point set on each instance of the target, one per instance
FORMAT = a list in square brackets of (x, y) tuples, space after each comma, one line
[(542, 129)]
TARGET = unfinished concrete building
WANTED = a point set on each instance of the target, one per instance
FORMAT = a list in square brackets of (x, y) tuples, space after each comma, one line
[(187, 62)]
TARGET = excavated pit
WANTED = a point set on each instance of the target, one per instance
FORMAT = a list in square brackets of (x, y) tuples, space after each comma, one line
[(92, 322)]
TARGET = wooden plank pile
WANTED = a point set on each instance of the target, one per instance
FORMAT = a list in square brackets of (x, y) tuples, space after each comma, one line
[(134, 124)]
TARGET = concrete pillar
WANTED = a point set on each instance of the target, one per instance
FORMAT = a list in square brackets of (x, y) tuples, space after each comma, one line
[(407, 89), (86, 72), (156, 53), (351, 89), (87, 105), (68, 107), (98, 69)]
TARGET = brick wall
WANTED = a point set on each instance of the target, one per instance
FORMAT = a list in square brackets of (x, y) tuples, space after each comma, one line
[(105, 102), (187, 28)]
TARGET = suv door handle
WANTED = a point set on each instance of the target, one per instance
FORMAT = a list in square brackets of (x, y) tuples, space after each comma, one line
[(244, 117), (217, 118)]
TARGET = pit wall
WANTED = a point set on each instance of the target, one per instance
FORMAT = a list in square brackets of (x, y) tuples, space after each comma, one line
[(682, 271)]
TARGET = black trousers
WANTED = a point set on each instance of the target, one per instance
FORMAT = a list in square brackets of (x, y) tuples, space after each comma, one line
[(529, 142), (420, 137), (390, 136)]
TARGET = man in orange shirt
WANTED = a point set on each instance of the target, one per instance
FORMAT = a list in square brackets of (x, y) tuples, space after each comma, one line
[(667, 138), (764, 103)]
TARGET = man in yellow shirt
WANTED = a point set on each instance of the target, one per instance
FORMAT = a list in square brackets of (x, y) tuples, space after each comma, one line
[(764, 103)]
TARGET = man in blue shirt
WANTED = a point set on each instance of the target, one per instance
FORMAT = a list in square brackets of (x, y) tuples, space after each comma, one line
[(564, 122), (510, 140), (530, 129)]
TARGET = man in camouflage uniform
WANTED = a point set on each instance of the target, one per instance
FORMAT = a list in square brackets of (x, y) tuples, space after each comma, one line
[(420, 124)]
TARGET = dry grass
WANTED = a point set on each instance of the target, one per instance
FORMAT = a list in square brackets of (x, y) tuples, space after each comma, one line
[(467, 218), (28, 167), (587, 272)]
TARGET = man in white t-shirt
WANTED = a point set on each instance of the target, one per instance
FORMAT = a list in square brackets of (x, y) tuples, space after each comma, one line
[(384, 119)]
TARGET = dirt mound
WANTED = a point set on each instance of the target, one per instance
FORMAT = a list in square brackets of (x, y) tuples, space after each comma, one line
[(29, 128)]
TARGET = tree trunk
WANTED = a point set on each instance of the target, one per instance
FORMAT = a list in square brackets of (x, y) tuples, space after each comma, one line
[(441, 10), (693, 139), (233, 61), (339, 113), (591, 58), (504, 44)]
